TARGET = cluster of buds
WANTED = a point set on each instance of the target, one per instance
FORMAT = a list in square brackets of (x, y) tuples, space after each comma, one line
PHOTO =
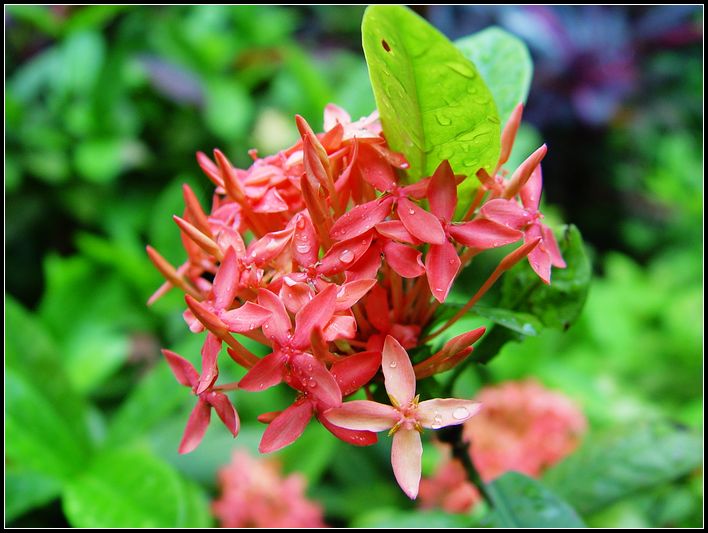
[(331, 256)]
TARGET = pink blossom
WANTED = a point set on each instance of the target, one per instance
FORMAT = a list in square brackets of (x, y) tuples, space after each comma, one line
[(255, 494), (405, 418)]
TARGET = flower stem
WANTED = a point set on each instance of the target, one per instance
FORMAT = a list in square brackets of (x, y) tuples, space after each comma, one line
[(452, 435)]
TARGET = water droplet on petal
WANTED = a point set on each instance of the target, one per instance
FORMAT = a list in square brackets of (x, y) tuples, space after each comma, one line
[(437, 421), (303, 248), (312, 384), (392, 364), (347, 256), (251, 325), (266, 326), (438, 289), (411, 211), (460, 413)]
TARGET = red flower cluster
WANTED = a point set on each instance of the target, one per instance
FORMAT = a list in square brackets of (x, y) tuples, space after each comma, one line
[(324, 253)]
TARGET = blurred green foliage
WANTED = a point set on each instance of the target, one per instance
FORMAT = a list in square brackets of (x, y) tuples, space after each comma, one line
[(105, 107)]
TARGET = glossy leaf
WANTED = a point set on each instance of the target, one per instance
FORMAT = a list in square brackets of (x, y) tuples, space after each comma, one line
[(133, 489), (523, 323), (520, 501), (560, 303), (433, 103), (504, 62), (618, 464)]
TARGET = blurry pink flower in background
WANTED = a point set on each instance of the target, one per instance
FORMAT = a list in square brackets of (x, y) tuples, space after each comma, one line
[(254, 493), (521, 427)]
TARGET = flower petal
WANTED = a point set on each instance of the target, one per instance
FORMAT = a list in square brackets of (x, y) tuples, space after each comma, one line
[(196, 427), (269, 246), (395, 230), (352, 436), (551, 246), (316, 312), (375, 170), (531, 192), (404, 260), (399, 377), (247, 317), (406, 458), (361, 219), (210, 354), (286, 427), (442, 412), (226, 281), (506, 212), (295, 294), (223, 407), (344, 254), (377, 309), (340, 327), (441, 265), (305, 243), (277, 327), (442, 192), (266, 373), (421, 224), (350, 293), (367, 267), (316, 380), (183, 370), (483, 234), (355, 371), (363, 415)]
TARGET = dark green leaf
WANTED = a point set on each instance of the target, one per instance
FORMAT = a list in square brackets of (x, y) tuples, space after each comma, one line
[(560, 303), (505, 64), (133, 489), (523, 323), (25, 490), (623, 462), (520, 501), (433, 103)]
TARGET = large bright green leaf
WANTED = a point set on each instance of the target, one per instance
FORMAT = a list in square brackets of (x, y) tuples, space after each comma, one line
[(434, 105), (520, 501), (505, 64), (38, 435), (133, 489), (623, 462)]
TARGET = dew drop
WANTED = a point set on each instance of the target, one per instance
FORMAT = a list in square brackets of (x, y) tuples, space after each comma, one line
[(347, 256), (438, 289), (437, 421), (266, 326), (460, 413), (392, 364), (451, 261), (411, 211), (312, 384), (303, 248), (251, 325), (300, 223), (443, 119)]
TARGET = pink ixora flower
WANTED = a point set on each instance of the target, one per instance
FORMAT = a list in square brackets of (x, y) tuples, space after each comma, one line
[(255, 494), (406, 418)]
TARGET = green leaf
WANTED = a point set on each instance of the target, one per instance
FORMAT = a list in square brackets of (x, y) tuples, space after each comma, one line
[(25, 490), (620, 463), (520, 501), (523, 323), (132, 488), (228, 109), (433, 103), (38, 435), (560, 303), (505, 64), (99, 160), (396, 518)]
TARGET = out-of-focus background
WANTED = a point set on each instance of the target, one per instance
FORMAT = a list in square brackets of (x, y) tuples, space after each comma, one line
[(105, 109)]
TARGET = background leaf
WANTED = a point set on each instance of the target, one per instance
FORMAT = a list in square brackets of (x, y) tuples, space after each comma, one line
[(625, 461), (433, 103), (504, 62), (133, 489), (25, 490), (520, 501)]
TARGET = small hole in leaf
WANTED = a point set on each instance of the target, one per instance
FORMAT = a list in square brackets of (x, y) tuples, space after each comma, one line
[(385, 45)]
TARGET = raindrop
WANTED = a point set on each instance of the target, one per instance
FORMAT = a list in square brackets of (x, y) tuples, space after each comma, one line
[(411, 211), (460, 413), (451, 261), (347, 256), (303, 248), (300, 223), (437, 421), (312, 384), (443, 119), (438, 289), (392, 364), (251, 325), (266, 326)]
